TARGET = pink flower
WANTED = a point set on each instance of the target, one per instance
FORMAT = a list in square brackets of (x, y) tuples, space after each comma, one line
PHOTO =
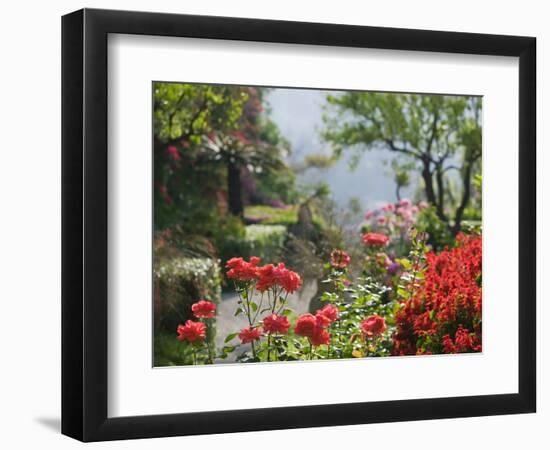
[(383, 259), (339, 259), (173, 152)]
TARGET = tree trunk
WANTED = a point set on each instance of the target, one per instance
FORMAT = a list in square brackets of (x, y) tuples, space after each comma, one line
[(234, 191), (430, 193), (466, 180), (398, 192)]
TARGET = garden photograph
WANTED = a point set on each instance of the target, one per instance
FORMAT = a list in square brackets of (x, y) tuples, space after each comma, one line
[(294, 224)]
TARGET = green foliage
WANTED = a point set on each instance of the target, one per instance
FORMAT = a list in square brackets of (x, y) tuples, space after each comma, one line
[(439, 235), (179, 282), (207, 139), (168, 351), (272, 216), (433, 133), (265, 241), (192, 110)]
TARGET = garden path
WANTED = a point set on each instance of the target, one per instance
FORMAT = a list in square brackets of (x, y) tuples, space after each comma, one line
[(227, 323)]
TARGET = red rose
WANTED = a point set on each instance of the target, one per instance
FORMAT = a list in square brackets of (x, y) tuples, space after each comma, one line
[(373, 326), (270, 276), (250, 334), (306, 325), (339, 259), (204, 309), (241, 270), (276, 324), (192, 331), (320, 337), (376, 239), (290, 281), (327, 314)]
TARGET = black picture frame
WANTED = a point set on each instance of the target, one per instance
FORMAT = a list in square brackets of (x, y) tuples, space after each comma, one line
[(84, 224)]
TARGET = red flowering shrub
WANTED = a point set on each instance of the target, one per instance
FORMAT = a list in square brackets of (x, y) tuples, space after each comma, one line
[(375, 239), (444, 314), (250, 334), (373, 326), (276, 324), (204, 309), (191, 331)]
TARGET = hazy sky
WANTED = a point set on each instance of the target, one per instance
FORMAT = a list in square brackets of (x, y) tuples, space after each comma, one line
[(298, 113)]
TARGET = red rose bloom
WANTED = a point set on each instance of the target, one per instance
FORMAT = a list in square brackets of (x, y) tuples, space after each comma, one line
[(204, 309), (191, 331), (306, 325), (320, 337), (373, 326), (250, 334), (290, 281), (327, 314), (375, 239), (276, 324), (339, 259), (241, 270), (270, 276)]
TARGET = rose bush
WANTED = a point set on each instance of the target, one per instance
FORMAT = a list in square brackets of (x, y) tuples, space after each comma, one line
[(421, 303)]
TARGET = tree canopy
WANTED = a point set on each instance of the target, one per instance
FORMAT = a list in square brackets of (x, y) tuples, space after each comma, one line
[(437, 133)]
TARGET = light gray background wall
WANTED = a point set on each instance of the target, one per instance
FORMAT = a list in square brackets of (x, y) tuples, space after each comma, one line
[(30, 221)]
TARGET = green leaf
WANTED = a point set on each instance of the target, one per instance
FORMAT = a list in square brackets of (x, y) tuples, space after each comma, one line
[(253, 306), (230, 337)]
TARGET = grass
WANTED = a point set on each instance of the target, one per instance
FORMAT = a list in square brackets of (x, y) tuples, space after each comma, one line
[(272, 216)]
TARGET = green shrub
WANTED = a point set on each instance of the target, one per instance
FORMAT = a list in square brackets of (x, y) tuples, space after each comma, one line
[(170, 352), (265, 241), (272, 216), (179, 282), (229, 238), (439, 235)]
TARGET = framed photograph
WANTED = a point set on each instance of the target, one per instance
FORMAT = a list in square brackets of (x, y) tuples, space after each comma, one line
[(273, 224)]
